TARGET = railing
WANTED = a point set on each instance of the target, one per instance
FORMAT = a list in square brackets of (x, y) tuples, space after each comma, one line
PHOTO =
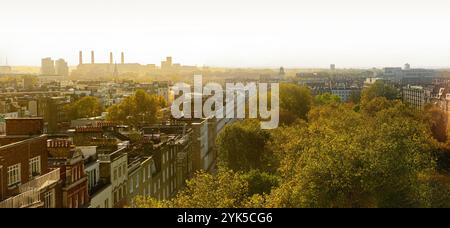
[(41, 181), (22, 200)]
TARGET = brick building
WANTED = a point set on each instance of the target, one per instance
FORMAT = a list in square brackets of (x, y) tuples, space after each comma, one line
[(62, 155), (25, 177)]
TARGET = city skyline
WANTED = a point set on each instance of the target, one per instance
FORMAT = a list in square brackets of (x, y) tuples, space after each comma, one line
[(294, 34)]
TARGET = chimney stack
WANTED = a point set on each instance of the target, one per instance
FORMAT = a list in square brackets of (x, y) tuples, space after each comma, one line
[(81, 58), (111, 59), (122, 59), (92, 57)]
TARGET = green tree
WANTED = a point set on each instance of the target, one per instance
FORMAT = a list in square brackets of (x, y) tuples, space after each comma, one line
[(438, 122), (326, 98), (295, 102), (379, 89), (260, 182), (242, 146), (83, 108), (137, 109), (227, 189), (347, 159)]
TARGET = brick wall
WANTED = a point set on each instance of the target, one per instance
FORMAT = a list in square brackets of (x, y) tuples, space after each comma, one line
[(22, 152), (32, 126)]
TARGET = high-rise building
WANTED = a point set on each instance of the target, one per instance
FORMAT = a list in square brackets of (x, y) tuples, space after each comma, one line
[(92, 57), (167, 65), (5, 68), (333, 67), (47, 66), (81, 58), (407, 66), (122, 58), (61, 67), (281, 72)]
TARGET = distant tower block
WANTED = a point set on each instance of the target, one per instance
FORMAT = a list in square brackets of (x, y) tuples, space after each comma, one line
[(333, 67), (92, 57), (407, 66), (81, 58), (122, 58), (111, 59)]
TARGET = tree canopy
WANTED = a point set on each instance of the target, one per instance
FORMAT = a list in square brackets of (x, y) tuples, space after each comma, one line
[(246, 134), (295, 102), (83, 108), (137, 109), (384, 155)]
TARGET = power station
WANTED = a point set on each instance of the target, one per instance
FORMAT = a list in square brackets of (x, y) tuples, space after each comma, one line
[(111, 58)]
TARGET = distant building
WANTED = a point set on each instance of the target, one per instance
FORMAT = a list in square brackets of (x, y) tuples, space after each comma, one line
[(28, 83), (345, 93), (407, 66), (415, 96), (409, 76), (5, 69), (167, 65), (52, 109), (48, 66), (62, 68), (333, 67), (370, 81)]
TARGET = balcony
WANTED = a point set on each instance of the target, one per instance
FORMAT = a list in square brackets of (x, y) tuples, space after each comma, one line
[(27, 199), (29, 193), (41, 181)]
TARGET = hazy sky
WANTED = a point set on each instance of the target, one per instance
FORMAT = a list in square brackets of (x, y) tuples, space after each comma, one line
[(253, 33)]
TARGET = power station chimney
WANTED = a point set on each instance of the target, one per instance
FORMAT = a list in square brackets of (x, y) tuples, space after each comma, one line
[(122, 59), (111, 59), (81, 58), (92, 57)]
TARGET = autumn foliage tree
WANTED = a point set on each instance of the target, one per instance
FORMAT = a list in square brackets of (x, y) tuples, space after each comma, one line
[(295, 103), (137, 109), (242, 146), (83, 108)]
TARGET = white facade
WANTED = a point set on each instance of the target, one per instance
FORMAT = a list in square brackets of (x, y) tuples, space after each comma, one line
[(102, 199)]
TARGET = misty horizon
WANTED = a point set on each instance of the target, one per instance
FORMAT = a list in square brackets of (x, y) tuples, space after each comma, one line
[(237, 34)]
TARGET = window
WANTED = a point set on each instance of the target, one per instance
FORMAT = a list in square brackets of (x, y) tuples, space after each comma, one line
[(115, 174), (74, 174), (75, 201), (149, 171), (69, 202), (82, 198), (137, 180), (106, 203), (120, 171), (35, 166), (131, 185), (14, 175), (49, 199)]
